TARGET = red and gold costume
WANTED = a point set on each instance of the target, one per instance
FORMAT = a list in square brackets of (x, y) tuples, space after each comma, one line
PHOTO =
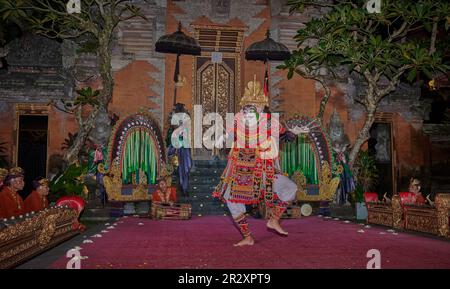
[(169, 196), (35, 202), (252, 163), (11, 203), (414, 187)]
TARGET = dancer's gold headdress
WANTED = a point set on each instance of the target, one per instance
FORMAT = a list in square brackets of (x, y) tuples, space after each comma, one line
[(254, 94)]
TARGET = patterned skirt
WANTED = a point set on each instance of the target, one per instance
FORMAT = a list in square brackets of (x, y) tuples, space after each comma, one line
[(247, 178)]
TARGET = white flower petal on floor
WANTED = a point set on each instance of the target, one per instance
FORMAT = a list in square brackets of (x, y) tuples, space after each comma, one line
[(367, 226), (105, 231), (391, 231), (111, 227), (320, 216), (97, 236), (87, 241), (107, 224), (336, 219), (141, 224), (83, 257), (382, 233), (394, 233), (347, 222), (360, 231)]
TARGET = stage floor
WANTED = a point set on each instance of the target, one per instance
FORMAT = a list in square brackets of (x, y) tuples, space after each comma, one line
[(206, 242)]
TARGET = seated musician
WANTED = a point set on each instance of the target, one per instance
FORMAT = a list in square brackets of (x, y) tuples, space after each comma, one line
[(37, 200), (164, 194), (414, 187), (11, 203)]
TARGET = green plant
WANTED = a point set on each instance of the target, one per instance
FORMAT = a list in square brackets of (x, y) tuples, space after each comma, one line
[(87, 96), (69, 182), (366, 174), (407, 41)]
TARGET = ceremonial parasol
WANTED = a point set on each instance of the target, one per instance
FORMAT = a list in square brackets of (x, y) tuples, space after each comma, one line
[(180, 44), (265, 50)]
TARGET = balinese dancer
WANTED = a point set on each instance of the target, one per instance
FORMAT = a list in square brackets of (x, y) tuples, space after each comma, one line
[(253, 172)]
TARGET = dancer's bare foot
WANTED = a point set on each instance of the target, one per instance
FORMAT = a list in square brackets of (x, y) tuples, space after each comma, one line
[(275, 225), (247, 241)]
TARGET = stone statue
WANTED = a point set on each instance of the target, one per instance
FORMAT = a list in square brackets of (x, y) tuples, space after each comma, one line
[(221, 8), (102, 128), (339, 139), (340, 145), (382, 145)]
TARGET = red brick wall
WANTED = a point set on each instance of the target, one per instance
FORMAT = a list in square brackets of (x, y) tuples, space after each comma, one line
[(132, 88)]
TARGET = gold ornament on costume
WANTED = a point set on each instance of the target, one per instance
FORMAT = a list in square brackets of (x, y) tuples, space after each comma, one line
[(432, 84), (166, 173), (254, 94), (3, 174)]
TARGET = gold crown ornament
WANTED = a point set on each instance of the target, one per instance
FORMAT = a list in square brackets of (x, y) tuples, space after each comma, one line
[(254, 94), (16, 172), (43, 182)]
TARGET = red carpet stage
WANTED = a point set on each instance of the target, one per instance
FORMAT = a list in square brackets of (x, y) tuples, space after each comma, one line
[(206, 242)]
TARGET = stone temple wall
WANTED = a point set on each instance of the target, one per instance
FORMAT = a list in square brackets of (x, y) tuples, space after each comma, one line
[(41, 70)]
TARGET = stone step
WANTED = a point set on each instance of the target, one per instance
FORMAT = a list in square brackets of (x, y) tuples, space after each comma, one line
[(202, 188), (212, 173), (206, 168), (194, 181), (209, 162), (204, 177), (203, 173)]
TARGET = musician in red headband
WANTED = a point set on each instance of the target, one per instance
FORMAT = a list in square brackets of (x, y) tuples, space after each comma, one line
[(37, 200), (11, 203)]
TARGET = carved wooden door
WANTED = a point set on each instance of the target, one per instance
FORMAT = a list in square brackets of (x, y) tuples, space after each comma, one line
[(215, 89)]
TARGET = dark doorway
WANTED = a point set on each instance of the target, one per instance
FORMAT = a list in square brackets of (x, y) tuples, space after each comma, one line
[(32, 148), (380, 147)]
